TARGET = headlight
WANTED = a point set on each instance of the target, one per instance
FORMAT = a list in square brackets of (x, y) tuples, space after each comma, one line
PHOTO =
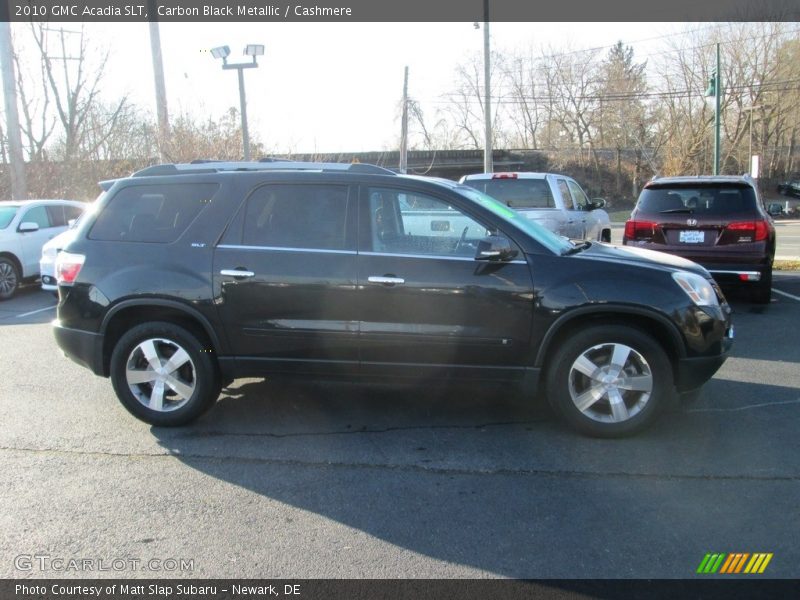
[(697, 288)]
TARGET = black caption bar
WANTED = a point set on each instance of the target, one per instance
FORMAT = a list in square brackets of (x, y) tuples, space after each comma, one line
[(121, 589), (398, 11)]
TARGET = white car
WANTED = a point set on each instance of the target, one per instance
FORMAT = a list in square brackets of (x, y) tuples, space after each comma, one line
[(25, 227), (555, 201), (47, 262)]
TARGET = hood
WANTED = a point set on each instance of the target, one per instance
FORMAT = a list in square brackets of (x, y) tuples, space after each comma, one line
[(641, 257), (61, 240)]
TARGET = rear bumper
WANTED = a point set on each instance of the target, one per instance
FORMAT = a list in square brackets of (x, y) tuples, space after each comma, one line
[(738, 273), (82, 347)]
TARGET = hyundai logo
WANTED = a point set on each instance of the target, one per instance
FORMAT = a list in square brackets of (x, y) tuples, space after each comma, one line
[(691, 222)]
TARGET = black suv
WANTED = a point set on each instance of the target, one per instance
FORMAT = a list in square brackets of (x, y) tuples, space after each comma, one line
[(188, 276)]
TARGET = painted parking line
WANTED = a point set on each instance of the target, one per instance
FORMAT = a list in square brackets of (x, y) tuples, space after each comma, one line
[(33, 312), (793, 297)]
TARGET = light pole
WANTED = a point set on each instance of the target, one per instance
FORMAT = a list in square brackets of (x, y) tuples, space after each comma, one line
[(488, 162), (488, 151), (250, 50), (715, 90)]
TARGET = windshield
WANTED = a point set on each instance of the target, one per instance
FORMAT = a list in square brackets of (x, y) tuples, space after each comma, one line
[(541, 234), (7, 215), (517, 193)]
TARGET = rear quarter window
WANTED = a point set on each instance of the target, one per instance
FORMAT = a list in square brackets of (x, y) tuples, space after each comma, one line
[(151, 213), (712, 200)]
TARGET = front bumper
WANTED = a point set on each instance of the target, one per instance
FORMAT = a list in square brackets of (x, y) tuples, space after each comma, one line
[(691, 373), (47, 271), (82, 347)]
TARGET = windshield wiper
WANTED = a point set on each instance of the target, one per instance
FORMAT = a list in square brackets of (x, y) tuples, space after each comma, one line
[(578, 248), (677, 210)]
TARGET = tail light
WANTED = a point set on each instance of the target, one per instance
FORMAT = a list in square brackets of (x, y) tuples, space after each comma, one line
[(504, 176), (757, 230), (68, 266), (640, 229)]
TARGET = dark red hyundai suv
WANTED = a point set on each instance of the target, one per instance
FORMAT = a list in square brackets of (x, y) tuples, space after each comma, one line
[(717, 221)]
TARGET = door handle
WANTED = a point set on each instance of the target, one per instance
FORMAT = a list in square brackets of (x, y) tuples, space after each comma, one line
[(236, 273), (386, 280)]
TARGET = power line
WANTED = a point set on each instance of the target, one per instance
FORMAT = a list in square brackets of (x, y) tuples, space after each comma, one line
[(677, 94)]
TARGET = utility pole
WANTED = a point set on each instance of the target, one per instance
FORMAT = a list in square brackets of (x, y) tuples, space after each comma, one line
[(715, 90), (488, 163), (404, 127), (717, 94), (161, 88), (19, 188)]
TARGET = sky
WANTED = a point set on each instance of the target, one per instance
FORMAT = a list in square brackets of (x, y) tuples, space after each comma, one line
[(325, 87)]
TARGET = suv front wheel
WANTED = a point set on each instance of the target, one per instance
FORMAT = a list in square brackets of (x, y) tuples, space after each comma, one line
[(9, 278), (609, 380), (163, 374)]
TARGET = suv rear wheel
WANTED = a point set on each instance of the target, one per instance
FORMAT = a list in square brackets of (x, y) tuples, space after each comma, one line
[(163, 374), (609, 380), (763, 293)]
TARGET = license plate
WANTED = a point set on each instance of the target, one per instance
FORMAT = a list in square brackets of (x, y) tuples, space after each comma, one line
[(692, 237)]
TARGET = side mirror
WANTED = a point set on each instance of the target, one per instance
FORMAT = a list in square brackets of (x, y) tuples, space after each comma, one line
[(494, 248), (27, 227), (598, 203)]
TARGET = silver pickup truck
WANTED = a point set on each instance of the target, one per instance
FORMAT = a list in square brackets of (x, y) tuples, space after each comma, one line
[(555, 201)]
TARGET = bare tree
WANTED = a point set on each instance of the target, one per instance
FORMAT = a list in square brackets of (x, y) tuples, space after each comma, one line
[(569, 81), (465, 108), (38, 123), (213, 139), (525, 110), (75, 86)]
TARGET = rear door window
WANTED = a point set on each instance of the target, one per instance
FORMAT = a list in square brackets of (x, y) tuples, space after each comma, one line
[(152, 213), (297, 216), (565, 195), (57, 217)]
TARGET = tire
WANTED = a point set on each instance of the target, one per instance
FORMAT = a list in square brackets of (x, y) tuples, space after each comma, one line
[(187, 390), (605, 236), (763, 293), (9, 278), (583, 388)]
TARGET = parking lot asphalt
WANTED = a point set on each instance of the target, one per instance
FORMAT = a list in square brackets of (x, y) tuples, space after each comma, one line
[(290, 479)]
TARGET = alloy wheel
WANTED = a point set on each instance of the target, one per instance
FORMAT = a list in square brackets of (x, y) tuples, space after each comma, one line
[(610, 383), (160, 374)]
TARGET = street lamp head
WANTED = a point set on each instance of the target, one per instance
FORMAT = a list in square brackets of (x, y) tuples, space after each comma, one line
[(254, 50), (222, 52)]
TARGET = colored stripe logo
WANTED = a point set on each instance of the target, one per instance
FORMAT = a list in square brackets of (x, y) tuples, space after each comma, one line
[(734, 563)]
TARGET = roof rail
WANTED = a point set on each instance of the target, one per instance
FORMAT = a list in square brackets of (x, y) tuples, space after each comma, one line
[(212, 166)]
